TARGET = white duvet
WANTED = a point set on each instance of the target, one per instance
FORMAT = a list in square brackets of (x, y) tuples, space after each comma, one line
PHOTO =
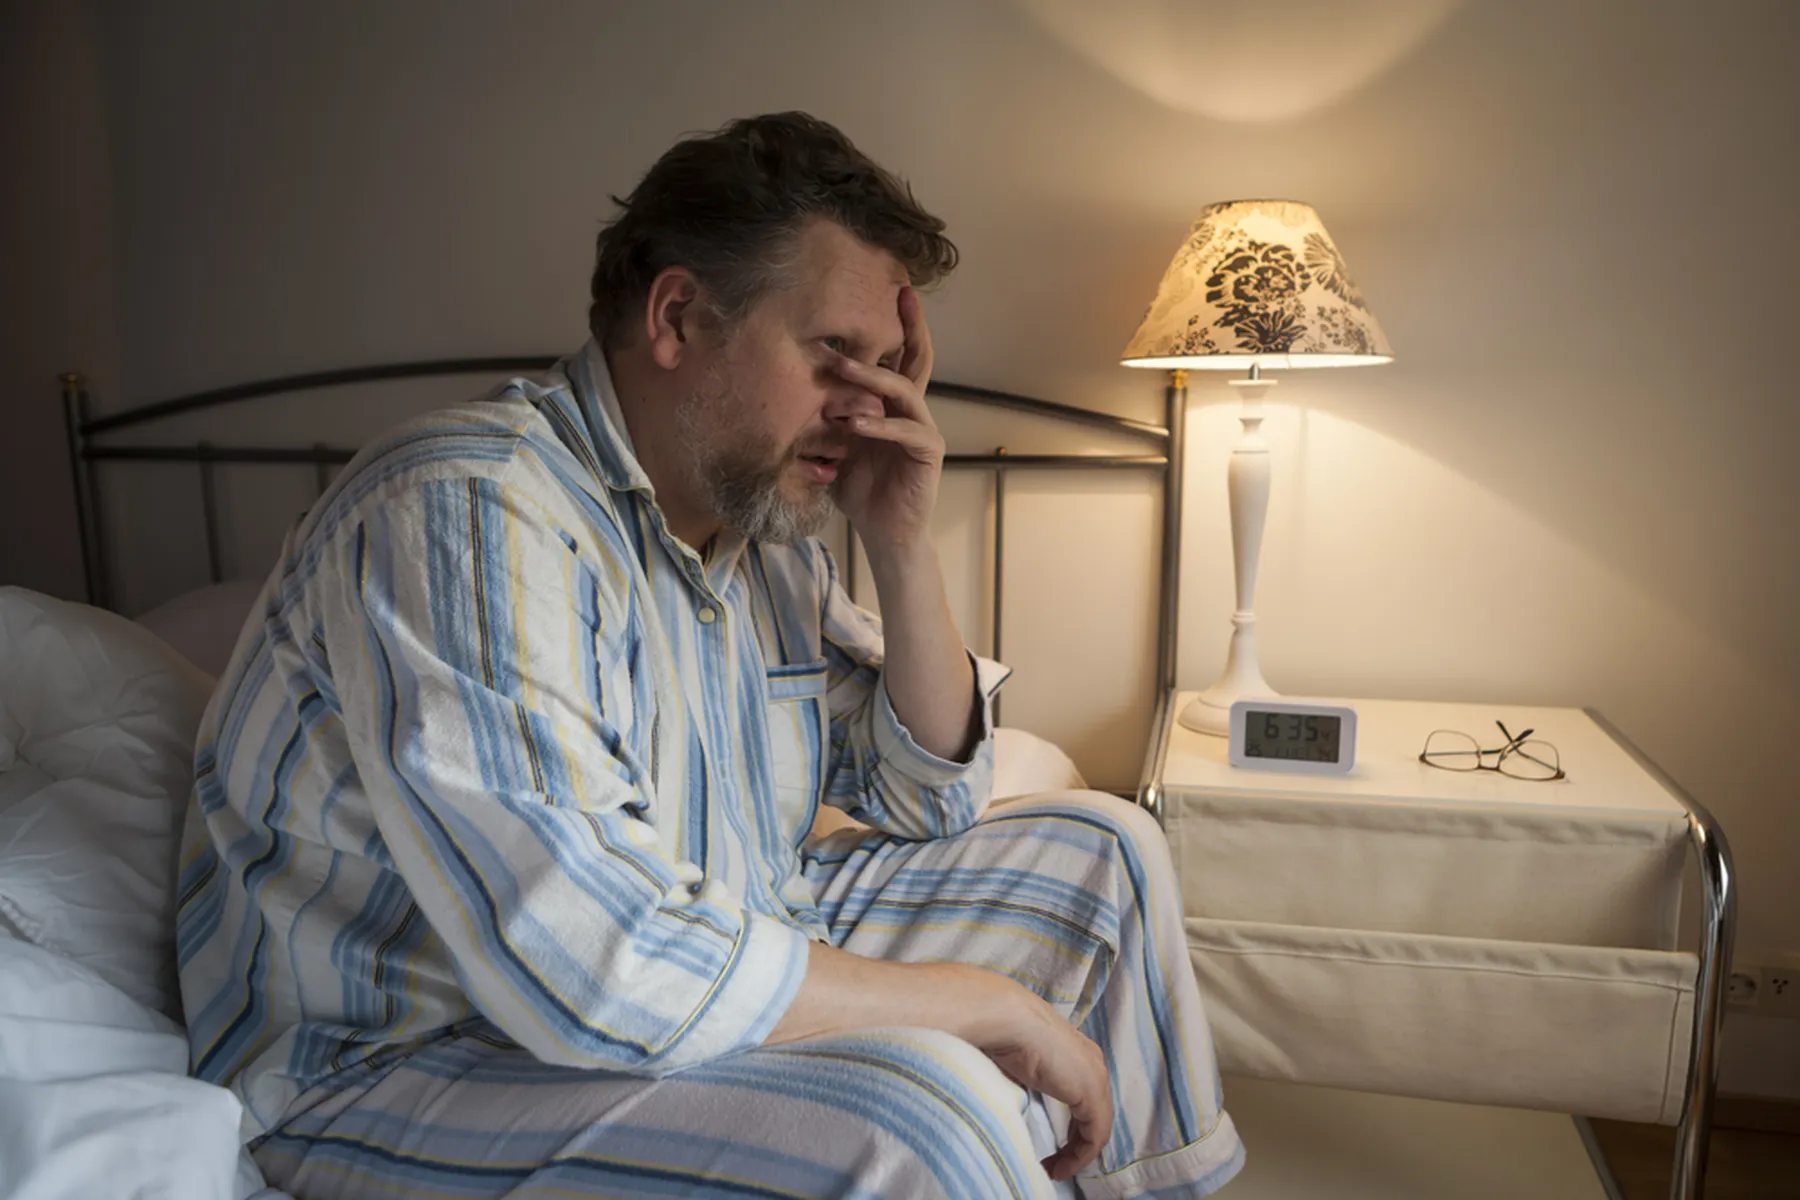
[(94, 1096), (97, 722)]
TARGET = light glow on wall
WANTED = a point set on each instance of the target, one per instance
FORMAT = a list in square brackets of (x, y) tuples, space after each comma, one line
[(1234, 61)]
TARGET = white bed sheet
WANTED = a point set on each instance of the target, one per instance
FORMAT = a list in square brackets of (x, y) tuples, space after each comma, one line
[(97, 721), (95, 1099)]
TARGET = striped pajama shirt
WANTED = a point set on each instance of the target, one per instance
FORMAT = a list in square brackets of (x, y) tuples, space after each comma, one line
[(494, 880)]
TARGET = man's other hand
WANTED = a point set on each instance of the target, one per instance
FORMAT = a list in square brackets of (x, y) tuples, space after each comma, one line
[(1031, 1043), (1041, 1052)]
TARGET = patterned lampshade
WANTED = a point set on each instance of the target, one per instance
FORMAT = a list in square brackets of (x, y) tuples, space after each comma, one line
[(1257, 281)]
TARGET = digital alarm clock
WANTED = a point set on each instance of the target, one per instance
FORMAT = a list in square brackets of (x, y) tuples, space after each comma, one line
[(1307, 737)]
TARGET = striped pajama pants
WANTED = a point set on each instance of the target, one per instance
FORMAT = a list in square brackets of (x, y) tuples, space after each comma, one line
[(1071, 894)]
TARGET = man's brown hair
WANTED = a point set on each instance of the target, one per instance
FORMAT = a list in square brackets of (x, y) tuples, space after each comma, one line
[(729, 205)]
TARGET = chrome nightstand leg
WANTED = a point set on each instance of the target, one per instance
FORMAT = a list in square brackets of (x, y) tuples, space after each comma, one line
[(1150, 782), (1719, 881), (1591, 1142)]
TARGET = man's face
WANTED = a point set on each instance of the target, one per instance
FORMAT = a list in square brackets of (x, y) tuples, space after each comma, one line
[(768, 425)]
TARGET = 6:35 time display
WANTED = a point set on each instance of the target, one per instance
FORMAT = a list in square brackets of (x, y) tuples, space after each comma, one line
[(1293, 735), (1306, 737)]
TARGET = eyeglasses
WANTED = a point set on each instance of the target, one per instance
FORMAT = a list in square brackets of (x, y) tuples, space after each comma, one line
[(1522, 757)]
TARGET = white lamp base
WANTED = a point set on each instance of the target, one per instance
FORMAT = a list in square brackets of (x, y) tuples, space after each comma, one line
[(1210, 711), (1247, 484), (1202, 717)]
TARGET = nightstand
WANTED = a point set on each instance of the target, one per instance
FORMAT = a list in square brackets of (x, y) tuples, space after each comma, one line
[(1450, 935)]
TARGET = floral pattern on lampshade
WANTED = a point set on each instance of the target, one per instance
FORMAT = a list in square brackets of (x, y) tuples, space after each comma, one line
[(1258, 278)]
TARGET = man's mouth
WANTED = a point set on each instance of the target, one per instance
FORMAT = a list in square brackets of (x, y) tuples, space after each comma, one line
[(821, 466)]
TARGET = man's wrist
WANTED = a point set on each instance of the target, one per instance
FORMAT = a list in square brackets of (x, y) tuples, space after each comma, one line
[(842, 991), (900, 563), (986, 1006)]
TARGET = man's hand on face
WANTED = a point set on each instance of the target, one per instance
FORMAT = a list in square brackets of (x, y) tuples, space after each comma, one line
[(890, 478)]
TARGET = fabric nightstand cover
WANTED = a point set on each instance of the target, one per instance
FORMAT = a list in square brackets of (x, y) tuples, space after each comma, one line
[(1453, 936)]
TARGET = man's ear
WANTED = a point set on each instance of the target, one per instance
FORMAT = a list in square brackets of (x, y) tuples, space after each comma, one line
[(672, 315)]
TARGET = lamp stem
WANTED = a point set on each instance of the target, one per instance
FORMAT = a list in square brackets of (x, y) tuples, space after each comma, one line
[(1247, 482)]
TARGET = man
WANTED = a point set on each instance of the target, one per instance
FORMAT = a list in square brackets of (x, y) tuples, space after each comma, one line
[(496, 881)]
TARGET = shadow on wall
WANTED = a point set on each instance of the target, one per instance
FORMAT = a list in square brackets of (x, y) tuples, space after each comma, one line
[(1237, 61)]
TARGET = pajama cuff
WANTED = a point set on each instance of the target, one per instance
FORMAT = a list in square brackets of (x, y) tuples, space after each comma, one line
[(897, 749), (759, 982), (1197, 1169)]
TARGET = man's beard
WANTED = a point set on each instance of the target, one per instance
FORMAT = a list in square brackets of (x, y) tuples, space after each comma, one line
[(738, 471)]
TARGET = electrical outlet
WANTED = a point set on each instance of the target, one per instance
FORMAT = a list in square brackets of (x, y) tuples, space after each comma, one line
[(1744, 987), (1779, 995)]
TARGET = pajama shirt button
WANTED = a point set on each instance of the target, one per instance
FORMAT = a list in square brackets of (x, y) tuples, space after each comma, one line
[(708, 616), (688, 878)]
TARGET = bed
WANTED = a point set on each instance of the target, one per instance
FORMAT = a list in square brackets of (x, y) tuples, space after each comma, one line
[(98, 713), (97, 718)]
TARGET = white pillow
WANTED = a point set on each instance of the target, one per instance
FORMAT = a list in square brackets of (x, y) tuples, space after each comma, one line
[(204, 624), (106, 716), (1025, 764), (94, 1094), (18, 779)]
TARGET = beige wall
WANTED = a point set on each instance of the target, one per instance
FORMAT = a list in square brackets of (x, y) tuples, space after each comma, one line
[(58, 272), (1575, 486)]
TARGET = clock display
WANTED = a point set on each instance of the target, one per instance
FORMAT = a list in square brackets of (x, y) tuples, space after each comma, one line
[(1296, 737)]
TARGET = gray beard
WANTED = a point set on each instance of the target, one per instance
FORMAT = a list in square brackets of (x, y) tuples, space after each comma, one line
[(739, 474)]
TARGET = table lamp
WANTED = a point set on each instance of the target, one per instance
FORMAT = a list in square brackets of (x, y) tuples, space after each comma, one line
[(1257, 285)]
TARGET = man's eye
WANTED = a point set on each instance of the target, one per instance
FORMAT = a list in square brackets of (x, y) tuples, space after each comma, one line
[(834, 344)]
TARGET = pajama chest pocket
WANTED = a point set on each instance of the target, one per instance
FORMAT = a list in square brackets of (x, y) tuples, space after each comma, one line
[(798, 727)]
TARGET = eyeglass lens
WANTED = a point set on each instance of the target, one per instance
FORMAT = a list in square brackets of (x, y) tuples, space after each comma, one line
[(1453, 751), (1532, 760)]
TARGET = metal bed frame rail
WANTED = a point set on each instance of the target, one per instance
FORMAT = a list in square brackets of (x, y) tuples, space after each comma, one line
[(83, 427)]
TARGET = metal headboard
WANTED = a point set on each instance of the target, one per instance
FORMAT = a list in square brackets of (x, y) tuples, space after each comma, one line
[(85, 454)]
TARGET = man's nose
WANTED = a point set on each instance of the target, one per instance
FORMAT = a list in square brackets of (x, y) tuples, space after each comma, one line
[(849, 402)]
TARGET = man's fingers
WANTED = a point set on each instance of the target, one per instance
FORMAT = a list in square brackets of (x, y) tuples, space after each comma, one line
[(908, 400), (1083, 1147), (923, 441), (915, 362), (1090, 1118)]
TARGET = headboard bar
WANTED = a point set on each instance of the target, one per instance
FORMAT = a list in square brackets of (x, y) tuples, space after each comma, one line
[(218, 397), (1168, 606), (1048, 408), (323, 455), (209, 504), (87, 489)]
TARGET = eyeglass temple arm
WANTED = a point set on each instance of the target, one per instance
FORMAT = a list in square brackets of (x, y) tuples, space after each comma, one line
[(1512, 740)]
